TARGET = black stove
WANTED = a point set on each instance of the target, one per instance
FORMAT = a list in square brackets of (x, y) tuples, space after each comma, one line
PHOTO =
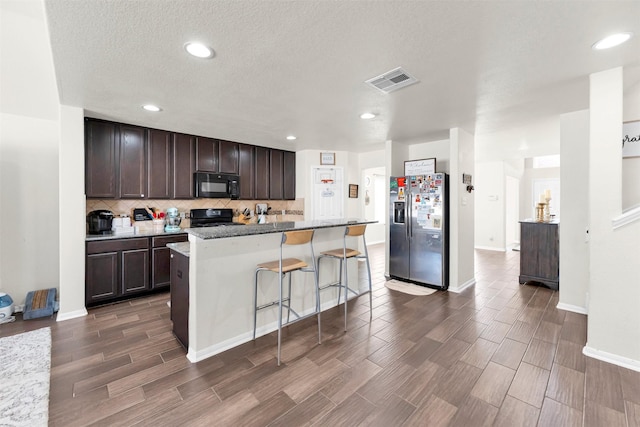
[(212, 217)]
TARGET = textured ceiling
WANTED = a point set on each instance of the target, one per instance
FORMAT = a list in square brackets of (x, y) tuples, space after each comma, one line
[(298, 67)]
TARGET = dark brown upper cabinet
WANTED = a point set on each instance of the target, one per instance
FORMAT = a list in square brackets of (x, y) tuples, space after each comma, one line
[(247, 171), (131, 162), (101, 159), (262, 171), (133, 177), (228, 157), (276, 187), (184, 165), (289, 172), (159, 176), (207, 154)]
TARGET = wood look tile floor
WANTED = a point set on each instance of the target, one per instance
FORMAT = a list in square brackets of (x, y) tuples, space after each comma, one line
[(498, 354)]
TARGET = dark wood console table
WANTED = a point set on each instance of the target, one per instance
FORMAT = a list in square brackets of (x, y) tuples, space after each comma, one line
[(539, 253)]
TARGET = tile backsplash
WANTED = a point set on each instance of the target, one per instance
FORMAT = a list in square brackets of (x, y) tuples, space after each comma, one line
[(294, 209)]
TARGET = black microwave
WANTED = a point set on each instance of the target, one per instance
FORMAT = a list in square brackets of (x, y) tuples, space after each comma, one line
[(216, 185)]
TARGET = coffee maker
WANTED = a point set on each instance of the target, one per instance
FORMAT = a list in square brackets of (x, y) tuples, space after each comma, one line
[(100, 221), (172, 220)]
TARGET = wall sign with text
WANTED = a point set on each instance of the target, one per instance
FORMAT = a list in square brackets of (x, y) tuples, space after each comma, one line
[(631, 139), (420, 167)]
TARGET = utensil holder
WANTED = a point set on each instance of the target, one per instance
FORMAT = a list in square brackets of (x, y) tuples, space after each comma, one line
[(158, 225)]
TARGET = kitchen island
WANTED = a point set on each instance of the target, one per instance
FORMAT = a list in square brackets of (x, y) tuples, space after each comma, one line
[(222, 263)]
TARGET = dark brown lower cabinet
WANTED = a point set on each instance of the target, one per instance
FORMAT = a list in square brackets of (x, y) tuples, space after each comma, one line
[(101, 277), (119, 269), (180, 297), (539, 253), (161, 260)]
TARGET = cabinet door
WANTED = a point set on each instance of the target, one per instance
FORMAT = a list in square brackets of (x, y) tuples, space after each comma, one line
[(228, 157), (133, 181), (184, 165), (180, 297), (262, 173), (101, 277), (135, 271), (159, 174), (160, 268), (289, 169), (247, 171), (207, 154), (101, 157), (276, 188)]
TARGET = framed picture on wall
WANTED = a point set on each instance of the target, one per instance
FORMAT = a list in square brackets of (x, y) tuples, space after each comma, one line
[(327, 158), (353, 191)]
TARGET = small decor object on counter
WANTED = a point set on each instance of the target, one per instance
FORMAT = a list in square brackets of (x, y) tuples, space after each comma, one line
[(540, 212)]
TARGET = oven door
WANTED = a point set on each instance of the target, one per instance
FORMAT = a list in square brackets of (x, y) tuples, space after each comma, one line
[(211, 185)]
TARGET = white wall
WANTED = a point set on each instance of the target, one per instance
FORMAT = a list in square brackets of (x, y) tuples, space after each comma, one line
[(461, 211), (614, 294), (29, 233), (536, 139), (72, 213), (631, 165), (574, 250), (29, 138), (489, 183)]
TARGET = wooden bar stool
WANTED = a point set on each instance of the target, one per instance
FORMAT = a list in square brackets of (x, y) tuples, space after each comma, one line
[(284, 266), (342, 255)]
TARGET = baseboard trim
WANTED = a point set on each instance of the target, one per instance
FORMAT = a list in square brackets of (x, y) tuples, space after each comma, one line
[(464, 286), (572, 308), (490, 248), (71, 315), (614, 359), (197, 356)]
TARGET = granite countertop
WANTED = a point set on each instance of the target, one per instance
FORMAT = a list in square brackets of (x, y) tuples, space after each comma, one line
[(141, 233), (275, 227), (182, 247)]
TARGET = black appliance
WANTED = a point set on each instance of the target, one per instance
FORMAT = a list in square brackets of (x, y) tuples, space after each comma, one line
[(212, 217), (100, 221), (216, 185)]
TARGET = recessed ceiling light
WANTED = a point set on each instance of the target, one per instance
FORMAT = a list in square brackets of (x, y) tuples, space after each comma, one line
[(367, 116), (291, 138), (199, 50), (153, 108), (612, 41)]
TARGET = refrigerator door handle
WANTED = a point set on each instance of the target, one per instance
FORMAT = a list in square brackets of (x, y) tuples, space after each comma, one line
[(409, 213), (406, 217)]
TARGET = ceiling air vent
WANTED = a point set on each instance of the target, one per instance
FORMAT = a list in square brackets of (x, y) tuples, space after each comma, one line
[(392, 80)]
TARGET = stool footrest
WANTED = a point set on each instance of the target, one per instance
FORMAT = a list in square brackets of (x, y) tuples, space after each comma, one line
[(298, 318), (272, 303)]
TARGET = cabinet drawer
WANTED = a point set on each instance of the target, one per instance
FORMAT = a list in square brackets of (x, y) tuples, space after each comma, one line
[(162, 241), (117, 245)]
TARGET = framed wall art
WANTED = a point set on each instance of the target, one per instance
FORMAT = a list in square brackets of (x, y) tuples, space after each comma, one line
[(327, 158), (353, 191)]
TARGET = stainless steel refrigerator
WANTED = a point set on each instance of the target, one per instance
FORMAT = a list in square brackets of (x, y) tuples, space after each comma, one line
[(419, 229)]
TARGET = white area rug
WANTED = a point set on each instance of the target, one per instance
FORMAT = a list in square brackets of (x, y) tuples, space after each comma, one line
[(25, 363), (408, 288)]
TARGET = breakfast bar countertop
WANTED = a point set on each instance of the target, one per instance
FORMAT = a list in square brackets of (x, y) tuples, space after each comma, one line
[(274, 227)]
